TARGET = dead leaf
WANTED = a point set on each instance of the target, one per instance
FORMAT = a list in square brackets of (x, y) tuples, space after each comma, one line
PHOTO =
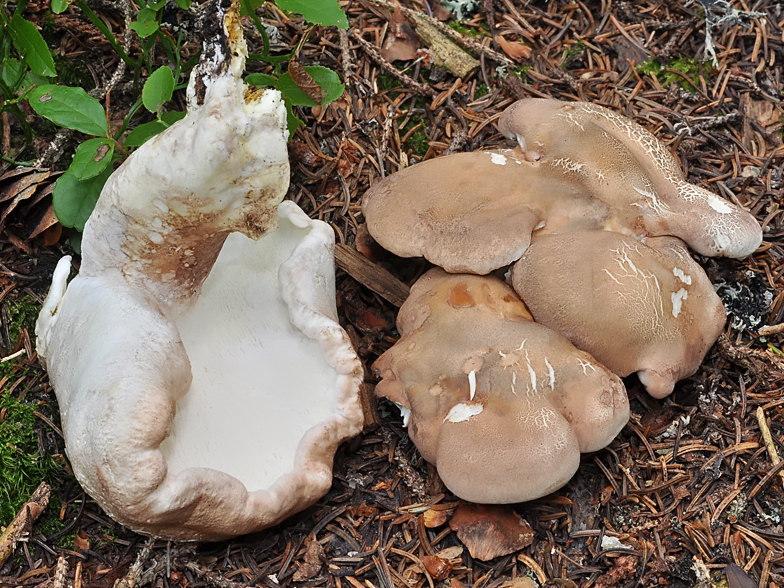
[(450, 553), (47, 219), (514, 49), (401, 42), (436, 518), (312, 561), (490, 531), (737, 578), (52, 234), (522, 582), (305, 81), (761, 118), (81, 541), (440, 11)]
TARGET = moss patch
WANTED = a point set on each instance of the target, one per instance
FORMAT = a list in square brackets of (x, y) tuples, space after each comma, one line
[(690, 68)]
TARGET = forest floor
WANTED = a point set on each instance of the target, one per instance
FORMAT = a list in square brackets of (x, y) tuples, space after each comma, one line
[(688, 487)]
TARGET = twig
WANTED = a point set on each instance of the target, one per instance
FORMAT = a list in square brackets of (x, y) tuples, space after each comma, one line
[(771, 330), (766, 436), (463, 40), (345, 54), (372, 52), (132, 577), (23, 521)]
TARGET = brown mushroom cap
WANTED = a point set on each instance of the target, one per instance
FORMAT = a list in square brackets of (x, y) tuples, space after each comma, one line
[(636, 308), (501, 405), (625, 166), (474, 212)]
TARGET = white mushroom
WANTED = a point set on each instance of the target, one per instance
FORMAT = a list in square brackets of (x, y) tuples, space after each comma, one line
[(203, 380)]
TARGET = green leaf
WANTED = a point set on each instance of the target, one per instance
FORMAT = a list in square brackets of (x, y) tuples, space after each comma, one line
[(31, 45), (324, 77), (59, 6), (156, 4), (91, 158), (172, 117), (158, 89), (146, 23), (323, 12), (68, 107), (143, 133), (184, 4), (11, 71), (260, 80), (292, 120), (76, 243), (74, 199)]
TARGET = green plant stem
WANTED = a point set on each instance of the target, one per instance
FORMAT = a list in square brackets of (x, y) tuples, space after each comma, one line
[(259, 26), (128, 117), (107, 33)]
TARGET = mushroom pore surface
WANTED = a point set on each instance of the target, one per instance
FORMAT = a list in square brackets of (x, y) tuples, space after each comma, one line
[(501, 405), (645, 308)]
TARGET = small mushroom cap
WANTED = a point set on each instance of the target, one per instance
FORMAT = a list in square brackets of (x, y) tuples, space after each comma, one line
[(473, 212), (646, 308), (501, 405), (624, 165)]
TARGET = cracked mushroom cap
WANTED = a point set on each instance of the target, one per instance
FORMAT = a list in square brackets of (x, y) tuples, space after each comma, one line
[(645, 308), (627, 167), (501, 405)]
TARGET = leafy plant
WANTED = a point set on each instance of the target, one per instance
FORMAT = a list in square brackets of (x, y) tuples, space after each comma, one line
[(25, 60), (77, 190), (300, 85)]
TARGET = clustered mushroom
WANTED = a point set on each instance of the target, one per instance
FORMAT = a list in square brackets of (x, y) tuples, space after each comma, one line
[(203, 380), (592, 215)]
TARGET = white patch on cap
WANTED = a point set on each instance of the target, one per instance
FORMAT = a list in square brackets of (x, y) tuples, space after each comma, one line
[(404, 412), (471, 384), (718, 204), (463, 411), (498, 159), (677, 301), (682, 276)]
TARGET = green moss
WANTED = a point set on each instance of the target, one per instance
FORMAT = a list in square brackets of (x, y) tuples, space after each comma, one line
[(387, 82), (23, 312), (686, 65), (521, 71), (571, 52), (467, 31), (73, 73), (418, 142), (23, 464), (481, 90)]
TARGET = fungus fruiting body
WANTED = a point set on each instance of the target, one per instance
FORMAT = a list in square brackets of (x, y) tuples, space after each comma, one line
[(501, 405), (645, 308), (203, 379), (577, 167), (625, 166), (594, 215)]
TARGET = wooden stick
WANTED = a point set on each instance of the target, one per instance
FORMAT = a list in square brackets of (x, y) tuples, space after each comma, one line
[(23, 521), (370, 275), (768, 439)]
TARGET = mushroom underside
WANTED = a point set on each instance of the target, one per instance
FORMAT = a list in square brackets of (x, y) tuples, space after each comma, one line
[(226, 420)]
